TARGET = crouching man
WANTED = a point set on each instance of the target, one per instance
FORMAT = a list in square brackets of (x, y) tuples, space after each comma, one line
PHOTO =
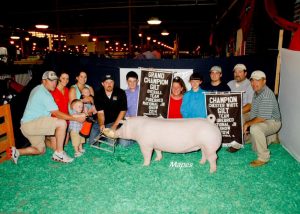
[(37, 122), (265, 119)]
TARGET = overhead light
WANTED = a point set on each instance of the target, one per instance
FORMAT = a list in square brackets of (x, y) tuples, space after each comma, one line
[(41, 26), (15, 37), (154, 21), (85, 34), (165, 33)]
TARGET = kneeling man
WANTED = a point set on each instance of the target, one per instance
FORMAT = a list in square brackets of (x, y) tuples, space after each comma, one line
[(37, 122), (265, 119)]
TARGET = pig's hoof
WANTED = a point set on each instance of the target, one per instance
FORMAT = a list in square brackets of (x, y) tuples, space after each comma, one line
[(146, 164), (212, 170), (158, 158), (202, 162)]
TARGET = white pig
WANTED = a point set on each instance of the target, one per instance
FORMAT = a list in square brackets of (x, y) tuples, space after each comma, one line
[(174, 136)]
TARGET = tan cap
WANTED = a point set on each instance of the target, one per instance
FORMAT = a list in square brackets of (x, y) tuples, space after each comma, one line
[(240, 67), (257, 75), (50, 75), (216, 68)]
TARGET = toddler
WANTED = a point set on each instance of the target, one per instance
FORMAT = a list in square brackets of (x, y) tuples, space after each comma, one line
[(75, 127), (88, 102)]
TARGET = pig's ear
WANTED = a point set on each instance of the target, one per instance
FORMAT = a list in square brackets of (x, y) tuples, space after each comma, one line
[(211, 118)]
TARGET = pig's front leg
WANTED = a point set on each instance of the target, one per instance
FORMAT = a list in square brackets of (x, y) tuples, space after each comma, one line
[(158, 155), (147, 153), (203, 159)]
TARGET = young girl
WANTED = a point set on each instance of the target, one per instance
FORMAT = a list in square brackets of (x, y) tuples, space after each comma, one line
[(75, 127)]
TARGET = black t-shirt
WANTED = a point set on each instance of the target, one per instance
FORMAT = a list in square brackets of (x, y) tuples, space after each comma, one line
[(111, 106), (221, 87)]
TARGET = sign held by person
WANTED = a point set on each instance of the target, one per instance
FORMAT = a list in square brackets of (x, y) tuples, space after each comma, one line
[(154, 94), (227, 108)]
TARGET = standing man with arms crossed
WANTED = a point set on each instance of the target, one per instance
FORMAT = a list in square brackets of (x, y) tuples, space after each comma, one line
[(37, 122)]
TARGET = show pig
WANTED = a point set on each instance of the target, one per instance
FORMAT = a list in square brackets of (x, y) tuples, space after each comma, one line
[(172, 135)]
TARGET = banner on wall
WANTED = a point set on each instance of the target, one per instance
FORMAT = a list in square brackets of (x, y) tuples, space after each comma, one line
[(155, 87), (227, 107)]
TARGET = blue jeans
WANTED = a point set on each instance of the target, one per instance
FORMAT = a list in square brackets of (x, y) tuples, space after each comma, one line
[(95, 131)]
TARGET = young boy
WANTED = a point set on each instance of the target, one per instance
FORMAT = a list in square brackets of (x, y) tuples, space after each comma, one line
[(193, 104), (75, 127)]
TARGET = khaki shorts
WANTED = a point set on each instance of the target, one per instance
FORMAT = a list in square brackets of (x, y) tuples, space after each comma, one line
[(36, 130)]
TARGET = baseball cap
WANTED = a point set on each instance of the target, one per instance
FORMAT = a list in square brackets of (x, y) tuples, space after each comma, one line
[(257, 75), (196, 76), (240, 67), (50, 75), (107, 77), (216, 68)]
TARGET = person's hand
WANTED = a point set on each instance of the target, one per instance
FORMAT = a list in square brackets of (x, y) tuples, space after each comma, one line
[(102, 127), (79, 117), (246, 128)]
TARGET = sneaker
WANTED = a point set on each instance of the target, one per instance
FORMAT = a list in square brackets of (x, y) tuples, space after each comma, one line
[(82, 151), (14, 154), (61, 157), (77, 154)]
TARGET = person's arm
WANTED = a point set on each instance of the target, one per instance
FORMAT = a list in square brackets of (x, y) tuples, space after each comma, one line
[(119, 118), (72, 94), (251, 122), (101, 120), (92, 91), (79, 118), (246, 108)]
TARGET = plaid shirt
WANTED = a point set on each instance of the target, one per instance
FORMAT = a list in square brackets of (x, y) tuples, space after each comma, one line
[(75, 126)]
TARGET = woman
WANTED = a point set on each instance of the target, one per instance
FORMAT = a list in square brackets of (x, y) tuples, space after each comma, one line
[(177, 91), (61, 97), (75, 90)]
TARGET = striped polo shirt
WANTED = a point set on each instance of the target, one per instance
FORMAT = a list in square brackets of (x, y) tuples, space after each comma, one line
[(265, 105)]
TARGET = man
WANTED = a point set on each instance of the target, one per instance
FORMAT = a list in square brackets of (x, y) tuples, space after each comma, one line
[(193, 103), (241, 84), (265, 119), (216, 83), (37, 122), (111, 104)]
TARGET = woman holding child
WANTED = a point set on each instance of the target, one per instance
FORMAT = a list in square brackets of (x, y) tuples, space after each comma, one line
[(76, 89)]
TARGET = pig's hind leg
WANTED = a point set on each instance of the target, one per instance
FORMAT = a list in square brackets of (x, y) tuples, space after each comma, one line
[(210, 155), (158, 155), (147, 154)]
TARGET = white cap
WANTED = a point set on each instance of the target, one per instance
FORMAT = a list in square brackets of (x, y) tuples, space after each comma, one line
[(216, 68), (240, 67), (50, 75), (257, 75)]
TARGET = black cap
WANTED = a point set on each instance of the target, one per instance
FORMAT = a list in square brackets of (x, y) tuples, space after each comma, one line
[(107, 77), (196, 76)]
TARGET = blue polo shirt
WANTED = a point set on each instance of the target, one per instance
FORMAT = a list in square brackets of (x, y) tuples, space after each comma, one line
[(40, 104)]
